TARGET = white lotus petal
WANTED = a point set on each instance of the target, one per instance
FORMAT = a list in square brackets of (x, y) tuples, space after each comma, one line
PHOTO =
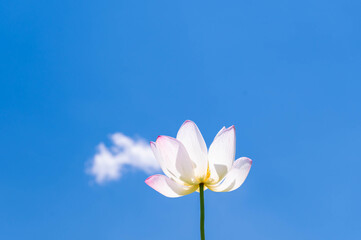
[(162, 164), (176, 159), (235, 176), (221, 154), (193, 141), (168, 187)]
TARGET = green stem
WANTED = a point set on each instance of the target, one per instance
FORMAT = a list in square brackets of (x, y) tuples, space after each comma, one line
[(201, 191)]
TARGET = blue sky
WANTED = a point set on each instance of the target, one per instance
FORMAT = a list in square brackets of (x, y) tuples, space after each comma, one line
[(285, 73)]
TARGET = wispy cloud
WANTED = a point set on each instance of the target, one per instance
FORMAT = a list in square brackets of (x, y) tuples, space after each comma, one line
[(109, 162)]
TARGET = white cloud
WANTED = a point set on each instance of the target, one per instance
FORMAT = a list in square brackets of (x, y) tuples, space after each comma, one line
[(109, 162)]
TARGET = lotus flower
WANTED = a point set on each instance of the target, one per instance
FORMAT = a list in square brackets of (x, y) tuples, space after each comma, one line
[(189, 166)]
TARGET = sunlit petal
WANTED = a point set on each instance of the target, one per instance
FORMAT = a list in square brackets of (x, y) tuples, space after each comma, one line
[(163, 164), (222, 154), (235, 177), (168, 187), (176, 159), (193, 141)]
